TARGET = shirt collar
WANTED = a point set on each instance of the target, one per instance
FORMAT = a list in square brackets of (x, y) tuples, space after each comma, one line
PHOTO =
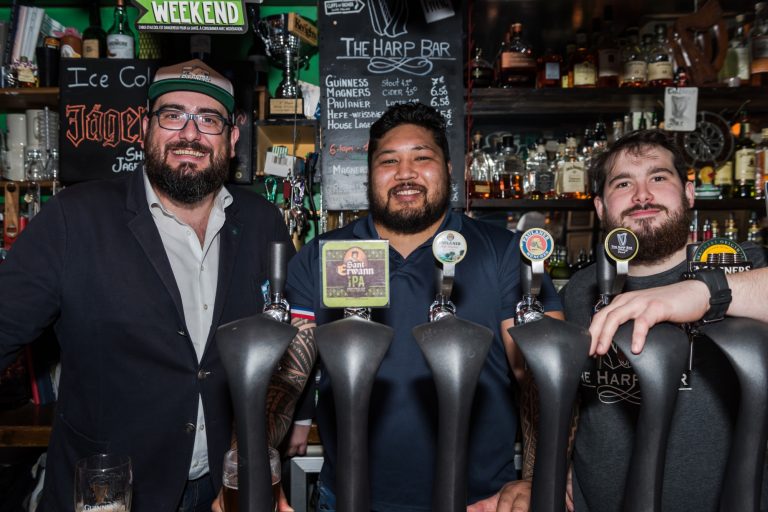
[(220, 203), (366, 230)]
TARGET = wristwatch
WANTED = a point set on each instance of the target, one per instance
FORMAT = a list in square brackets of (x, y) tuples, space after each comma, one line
[(719, 292)]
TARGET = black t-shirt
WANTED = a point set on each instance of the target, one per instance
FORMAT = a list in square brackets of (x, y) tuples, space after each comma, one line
[(610, 400)]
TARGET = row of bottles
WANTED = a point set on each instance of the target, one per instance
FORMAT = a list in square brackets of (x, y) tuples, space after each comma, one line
[(542, 170), (742, 176), (711, 228), (117, 43), (629, 60)]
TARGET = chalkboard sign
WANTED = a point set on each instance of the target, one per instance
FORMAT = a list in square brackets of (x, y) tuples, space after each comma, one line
[(101, 105), (376, 53)]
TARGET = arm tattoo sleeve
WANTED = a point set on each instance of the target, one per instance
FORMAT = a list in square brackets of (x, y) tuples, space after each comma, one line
[(289, 379)]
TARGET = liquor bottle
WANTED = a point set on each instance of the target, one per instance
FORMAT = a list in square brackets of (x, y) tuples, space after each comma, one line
[(559, 271), (761, 169), (517, 67), (736, 68), (120, 40), (480, 72), (479, 171), (759, 38), (583, 66), (571, 179), (567, 77), (661, 69), (608, 55), (499, 180), (731, 232), (549, 69), (94, 37), (600, 139), (715, 229), (724, 179), (514, 167), (744, 167), (706, 230), (540, 178), (634, 65), (754, 232)]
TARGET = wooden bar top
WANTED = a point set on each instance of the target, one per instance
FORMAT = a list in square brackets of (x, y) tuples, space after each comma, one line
[(26, 426)]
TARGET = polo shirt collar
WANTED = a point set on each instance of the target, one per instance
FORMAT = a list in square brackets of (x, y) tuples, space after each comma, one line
[(366, 230)]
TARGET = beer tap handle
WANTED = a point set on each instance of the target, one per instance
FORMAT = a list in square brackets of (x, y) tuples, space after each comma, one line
[(276, 306), (449, 248), (278, 264), (536, 245), (621, 246), (606, 275)]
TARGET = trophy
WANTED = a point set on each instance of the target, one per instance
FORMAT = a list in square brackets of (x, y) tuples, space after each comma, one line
[(290, 41)]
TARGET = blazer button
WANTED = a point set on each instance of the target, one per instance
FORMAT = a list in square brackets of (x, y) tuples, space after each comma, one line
[(190, 428), (181, 332), (202, 375)]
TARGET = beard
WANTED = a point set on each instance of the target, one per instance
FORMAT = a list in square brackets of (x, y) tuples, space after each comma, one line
[(656, 243), (411, 220), (186, 183)]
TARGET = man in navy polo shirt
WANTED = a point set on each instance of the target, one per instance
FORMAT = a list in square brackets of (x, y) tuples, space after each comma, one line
[(408, 192)]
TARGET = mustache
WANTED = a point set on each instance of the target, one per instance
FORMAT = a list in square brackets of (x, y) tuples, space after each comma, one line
[(639, 208), (406, 186), (190, 145)]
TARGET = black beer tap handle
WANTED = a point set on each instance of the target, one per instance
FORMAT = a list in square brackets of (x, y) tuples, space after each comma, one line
[(606, 275), (278, 263)]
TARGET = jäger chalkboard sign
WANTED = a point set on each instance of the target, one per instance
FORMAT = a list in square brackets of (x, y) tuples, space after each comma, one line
[(376, 53), (101, 105)]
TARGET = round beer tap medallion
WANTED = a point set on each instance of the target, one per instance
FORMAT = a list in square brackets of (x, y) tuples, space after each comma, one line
[(449, 247), (621, 244), (536, 244)]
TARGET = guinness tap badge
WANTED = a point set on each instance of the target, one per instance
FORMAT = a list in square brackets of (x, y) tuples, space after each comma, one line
[(621, 246)]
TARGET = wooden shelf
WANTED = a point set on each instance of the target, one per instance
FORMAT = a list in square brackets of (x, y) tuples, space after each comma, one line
[(19, 98), (497, 103), (27, 426)]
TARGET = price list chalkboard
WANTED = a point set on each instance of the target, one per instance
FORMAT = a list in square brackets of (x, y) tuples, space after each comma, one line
[(376, 53)]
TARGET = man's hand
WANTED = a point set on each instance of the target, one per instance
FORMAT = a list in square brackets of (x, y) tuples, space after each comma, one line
[(282, 502), (686, 301), (513, 497), (297, 440)]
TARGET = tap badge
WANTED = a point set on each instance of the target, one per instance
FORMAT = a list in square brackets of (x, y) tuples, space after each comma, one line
[(449, 247), (621, 244), (719, 246), (536, 244)]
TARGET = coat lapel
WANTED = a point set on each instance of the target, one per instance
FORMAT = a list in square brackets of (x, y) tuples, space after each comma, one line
[(230, 236)]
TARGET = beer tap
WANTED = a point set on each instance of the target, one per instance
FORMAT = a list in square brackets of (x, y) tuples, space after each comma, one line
[(276, 306), (455, 350), (619, 247), (536, 245), (250, 350), (556, 353), (352, 350)]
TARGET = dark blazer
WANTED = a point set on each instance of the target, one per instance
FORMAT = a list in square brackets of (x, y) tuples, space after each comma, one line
[(92, 262)]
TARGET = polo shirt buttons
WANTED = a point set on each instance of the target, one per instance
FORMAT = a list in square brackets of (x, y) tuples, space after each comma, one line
[(190, 428)]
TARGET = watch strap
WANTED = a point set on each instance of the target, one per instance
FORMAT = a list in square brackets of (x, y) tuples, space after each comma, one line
[(719, 293)]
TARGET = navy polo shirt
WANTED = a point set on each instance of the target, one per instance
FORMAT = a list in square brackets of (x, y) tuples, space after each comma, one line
[(403, 413)]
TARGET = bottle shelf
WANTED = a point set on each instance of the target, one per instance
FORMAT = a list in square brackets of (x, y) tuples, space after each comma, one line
[(14, 98), (757, 205), (489, 103)]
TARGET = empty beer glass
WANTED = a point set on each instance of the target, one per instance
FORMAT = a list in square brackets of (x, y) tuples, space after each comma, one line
[(230, 479), (103, 482)]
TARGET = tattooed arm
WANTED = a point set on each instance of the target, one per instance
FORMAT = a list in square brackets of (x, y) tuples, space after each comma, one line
[(289, 380)]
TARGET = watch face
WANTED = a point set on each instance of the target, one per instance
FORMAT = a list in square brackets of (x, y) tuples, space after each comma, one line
[(621, 244)]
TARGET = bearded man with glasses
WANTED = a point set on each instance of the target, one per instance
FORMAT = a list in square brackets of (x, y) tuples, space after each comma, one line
[(136, 274)]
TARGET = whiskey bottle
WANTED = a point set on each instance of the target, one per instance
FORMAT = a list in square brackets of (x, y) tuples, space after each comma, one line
[(479, 171), (736, 68), (754, 232), (744, 160), (759, 38), (480, 72), (583, 64), (517, 67), (731, 232), (761, 169), (94, 37), (120, 39), (661, 69), (608, 55), (549, 69), (540, 178), (634, 65), (514, 169), (724, 179), (571, 180)]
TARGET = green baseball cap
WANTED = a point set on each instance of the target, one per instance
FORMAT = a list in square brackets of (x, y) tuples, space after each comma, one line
[(195, 76)]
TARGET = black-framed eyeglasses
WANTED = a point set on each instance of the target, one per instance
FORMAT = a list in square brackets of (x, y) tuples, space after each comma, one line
[(207, 123)]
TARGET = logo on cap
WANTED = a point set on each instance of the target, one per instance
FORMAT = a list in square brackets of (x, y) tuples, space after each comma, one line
[(195, 73)]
